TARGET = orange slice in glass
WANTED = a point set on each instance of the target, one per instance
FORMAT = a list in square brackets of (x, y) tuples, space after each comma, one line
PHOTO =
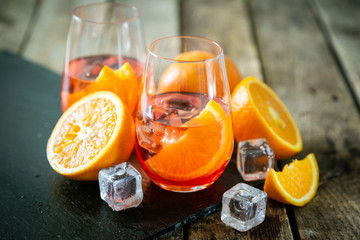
[(94, 133), (204, 147), (130, 84), (122, 82)]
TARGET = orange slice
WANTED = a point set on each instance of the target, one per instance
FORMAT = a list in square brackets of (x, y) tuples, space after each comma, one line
[(258, 112), (192, 76), (296, 184), (130, 84), (122, 82), (94, 133), (200, 151)]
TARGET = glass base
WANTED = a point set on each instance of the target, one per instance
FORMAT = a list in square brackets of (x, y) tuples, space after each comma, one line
[(182, 189)]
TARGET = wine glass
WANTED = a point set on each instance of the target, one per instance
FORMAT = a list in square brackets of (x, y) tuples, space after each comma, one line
[(183, 123), (101, 34)]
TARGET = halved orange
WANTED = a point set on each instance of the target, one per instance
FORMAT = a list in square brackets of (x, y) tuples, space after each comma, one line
[(258, 112), (204, 147), (296, 184), (94, 133), (193, 75), (122, 82)]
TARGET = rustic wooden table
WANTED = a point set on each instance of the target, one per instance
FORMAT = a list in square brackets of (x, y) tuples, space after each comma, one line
[(308, 51)]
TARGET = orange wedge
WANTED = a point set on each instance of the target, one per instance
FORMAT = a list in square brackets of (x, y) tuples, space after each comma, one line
[(258, 112), (296, 184), (130, 84), (122, 82), (205, 146), (94, 133)]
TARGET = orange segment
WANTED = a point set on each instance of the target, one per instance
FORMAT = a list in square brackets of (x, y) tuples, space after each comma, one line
[(200, 151), (94, 133), (296, 184), (259, 113), (122, 82)]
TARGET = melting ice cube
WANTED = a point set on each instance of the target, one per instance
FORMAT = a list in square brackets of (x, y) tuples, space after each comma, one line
[(254, 159), (120, 186), (243, 207)]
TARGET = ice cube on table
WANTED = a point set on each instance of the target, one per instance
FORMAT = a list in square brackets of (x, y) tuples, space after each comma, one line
[(120, 186), (255, 158), (243, 207)]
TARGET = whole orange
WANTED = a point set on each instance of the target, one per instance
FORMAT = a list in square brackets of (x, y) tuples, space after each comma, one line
[(233, 73), (193, 75)]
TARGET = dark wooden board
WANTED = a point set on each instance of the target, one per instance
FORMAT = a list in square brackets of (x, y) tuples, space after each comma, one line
[(299, 65), (37, 203)]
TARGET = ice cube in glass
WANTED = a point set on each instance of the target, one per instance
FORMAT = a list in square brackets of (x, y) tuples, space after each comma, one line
[(120, 186), (243, 207), (255, 158)]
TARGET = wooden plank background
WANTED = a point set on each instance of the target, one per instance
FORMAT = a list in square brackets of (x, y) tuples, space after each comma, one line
[(307, 51), (14, 23), (37, 29), (299, 66), (340, 21)]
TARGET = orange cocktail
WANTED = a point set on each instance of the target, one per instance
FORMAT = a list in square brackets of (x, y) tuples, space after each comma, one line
[(103, 34), (183, 125)]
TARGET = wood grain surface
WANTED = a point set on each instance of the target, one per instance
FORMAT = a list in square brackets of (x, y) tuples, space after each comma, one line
[(299, 66), (339, 21), (211, 19)]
